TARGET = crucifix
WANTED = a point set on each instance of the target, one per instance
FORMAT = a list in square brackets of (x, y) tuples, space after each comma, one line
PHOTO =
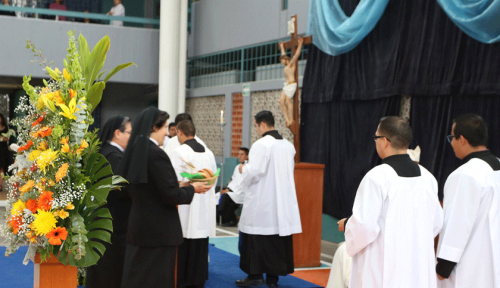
[(295, 125)]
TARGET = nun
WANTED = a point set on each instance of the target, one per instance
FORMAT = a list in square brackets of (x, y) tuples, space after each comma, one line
[(154, 228)]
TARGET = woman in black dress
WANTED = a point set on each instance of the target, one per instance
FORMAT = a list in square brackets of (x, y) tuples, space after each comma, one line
[(154, 228), (4, 148)]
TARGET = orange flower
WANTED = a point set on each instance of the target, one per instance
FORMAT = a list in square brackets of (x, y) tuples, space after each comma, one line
[(43, 146), (61, 214), (64, 140), (31, 236), (44, 132), (31, 205), (70, 206), (45, 201), (82, 147), (39, 119), (51, 183), (45, 90), (27, 187), (56, 235), (65, 148), (72, 93), (15, 222), (57, 97), (25, 147), (62, 172)]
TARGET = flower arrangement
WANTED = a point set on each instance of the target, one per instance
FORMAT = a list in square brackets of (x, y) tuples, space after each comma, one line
[(59, 182)]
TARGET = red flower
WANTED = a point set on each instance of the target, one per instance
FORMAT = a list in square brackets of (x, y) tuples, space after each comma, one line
[(25, 147), (45, 201), (56, 235), (39, 119)]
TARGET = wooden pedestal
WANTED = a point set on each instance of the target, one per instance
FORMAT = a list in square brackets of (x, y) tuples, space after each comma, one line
[(53, 274), (309, 187)]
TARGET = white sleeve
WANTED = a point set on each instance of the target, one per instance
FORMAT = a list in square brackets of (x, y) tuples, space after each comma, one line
[(177, 163), (461, 207), (254, 169), (362, 227), (119, 11), (439, 215)]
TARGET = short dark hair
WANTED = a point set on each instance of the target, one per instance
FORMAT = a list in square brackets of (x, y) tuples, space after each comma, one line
[(187, 128), (245, 149), (160, 121), (124, 122), (171, 125), (397, 130), (473, 128), (181, 117), (266, 117)]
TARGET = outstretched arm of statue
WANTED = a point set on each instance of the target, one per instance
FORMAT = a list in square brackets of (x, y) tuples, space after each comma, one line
[(282, 47)]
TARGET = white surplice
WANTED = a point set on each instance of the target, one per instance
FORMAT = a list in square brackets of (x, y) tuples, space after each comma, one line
[(270, 204), (340, 272), (197, 218), (173, 143), (471, 230), (236, 195), (390, 234)]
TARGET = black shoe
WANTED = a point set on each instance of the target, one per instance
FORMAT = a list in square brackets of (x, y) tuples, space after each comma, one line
[(248, 282), (272, 285), (229, 224)]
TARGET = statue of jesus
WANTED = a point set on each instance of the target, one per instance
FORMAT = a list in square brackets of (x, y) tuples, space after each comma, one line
[(290, 86)]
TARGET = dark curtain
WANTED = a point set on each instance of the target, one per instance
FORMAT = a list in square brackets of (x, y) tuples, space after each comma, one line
[(431, 121), (415, 49), (339, 135)]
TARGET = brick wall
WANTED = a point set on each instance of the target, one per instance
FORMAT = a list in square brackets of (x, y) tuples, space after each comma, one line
[(237, 123)]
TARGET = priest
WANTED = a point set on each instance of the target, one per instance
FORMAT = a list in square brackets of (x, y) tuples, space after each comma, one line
[(174, 141), (114, 137), (395, 217), (270, 212), (468, 251), (197, 218)]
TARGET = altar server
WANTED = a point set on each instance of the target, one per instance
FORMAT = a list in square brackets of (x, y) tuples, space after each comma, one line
[(395, 217), (270, 212), (469, 245), (154, 229), (174, 141), (197, 218)]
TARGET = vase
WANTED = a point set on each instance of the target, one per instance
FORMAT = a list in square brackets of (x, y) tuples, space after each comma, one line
[(53, 274)]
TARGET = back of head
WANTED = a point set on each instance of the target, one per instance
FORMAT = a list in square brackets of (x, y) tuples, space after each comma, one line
[(182, 117), (187, 128), (473, 128), (265, 117), (397, 130)]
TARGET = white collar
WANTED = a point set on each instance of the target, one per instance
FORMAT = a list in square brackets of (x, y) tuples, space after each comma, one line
[(117, 146), (154, 141)]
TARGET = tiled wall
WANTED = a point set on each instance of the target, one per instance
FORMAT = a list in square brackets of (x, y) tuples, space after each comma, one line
[(206, 117)]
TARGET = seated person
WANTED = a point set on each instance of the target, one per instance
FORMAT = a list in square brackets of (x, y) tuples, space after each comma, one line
[(230, 200), (58, 5)]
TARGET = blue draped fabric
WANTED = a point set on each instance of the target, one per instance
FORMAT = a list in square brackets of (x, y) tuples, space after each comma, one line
[(335, 33), (480, 19)]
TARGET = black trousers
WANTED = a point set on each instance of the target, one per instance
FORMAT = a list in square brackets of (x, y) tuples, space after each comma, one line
[(226, 209)]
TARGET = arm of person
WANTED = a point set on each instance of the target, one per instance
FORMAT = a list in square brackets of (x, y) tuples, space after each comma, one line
[(254, 169), (282, 48), (461, 207), (161, 174), (363, 227), (299, 50)]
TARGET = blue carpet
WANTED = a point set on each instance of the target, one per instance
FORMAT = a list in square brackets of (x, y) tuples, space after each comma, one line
[(224, 269)]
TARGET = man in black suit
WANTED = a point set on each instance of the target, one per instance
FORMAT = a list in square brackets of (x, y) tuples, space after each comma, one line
[(114, 137)]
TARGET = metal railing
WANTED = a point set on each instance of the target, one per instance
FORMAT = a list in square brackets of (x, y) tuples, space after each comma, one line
[(246, 64), (35, 12)]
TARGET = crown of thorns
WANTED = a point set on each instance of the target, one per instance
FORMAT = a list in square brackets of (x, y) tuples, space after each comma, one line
[(284, 57)]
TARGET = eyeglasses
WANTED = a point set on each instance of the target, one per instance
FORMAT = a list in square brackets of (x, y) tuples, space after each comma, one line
[(375, 137), (450, 137)]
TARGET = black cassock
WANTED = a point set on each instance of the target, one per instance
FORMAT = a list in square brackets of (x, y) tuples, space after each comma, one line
[(154, 229), (109, 270)]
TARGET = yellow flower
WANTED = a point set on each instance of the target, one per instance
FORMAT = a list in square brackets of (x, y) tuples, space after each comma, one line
[(62, 172), (70, 206), (31, 235), (44, 222), (66, 74), (68, 111), (46, 157), (42, 146), (82, 147), (40, 186), (34, 154), (61, 214), (18, 207), (65, 148), (51, 183), (27, 187), (64, 140), (48, 101)]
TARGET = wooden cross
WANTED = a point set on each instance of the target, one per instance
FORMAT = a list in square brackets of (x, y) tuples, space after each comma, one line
[(295, 128)]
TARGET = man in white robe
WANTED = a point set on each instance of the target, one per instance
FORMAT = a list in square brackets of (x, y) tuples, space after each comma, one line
[(469, 244), (173, 143), (270, 212), (395, 217), (198, 218), (231, 200)]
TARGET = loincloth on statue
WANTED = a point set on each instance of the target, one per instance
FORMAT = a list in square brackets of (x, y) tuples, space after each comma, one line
[(289, 89)]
